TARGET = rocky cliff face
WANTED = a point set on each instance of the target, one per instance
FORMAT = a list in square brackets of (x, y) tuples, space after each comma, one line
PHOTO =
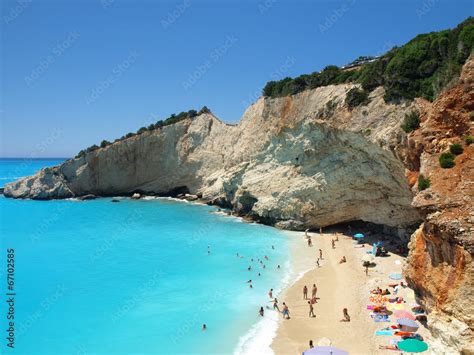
[(306, 160), (296, 161), (440, 266)]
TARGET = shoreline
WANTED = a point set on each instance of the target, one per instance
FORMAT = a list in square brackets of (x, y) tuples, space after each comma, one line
[(339, 286), (260, 337)]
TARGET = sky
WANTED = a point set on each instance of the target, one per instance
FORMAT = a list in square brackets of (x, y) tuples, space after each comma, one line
[(76, 72)]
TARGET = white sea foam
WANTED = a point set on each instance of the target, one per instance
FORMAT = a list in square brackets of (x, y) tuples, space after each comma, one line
[(11, 177), (260, 336)]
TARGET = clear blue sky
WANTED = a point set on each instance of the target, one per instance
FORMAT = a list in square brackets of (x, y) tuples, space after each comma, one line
[(76, 72)]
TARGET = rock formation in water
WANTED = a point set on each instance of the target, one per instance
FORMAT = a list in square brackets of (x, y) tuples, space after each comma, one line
[(290, 161)]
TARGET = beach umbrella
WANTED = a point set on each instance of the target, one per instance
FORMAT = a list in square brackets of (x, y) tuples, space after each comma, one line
[(403, 314), (367, 257), (395, 276), (410, 323), (358, 235), (394, 306), (325, 350), (324, 342), (412, 345)]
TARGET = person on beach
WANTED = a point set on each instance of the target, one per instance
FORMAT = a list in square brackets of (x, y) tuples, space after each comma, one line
[(367, 269), (333, 243), (320, 230), (314, 300), (266, 257), (261, 312), (343, 260), (270, 293), (275, 305), (337, 237), (286, 311), (278, 266), (317, 262), (249, 268), (311, 310), (346, 317), (314, 291), (305, 292), (309, 242), (273, 247), (204, 327), (311, 344), (320, 254)]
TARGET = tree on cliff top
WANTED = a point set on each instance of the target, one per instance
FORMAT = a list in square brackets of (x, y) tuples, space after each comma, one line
[(420, 68)]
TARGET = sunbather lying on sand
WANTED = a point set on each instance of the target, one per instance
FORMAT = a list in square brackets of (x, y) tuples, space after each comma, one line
[(388, 347), (376, 291)]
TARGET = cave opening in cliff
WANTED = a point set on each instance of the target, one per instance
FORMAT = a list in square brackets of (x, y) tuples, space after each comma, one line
[(394, 240)]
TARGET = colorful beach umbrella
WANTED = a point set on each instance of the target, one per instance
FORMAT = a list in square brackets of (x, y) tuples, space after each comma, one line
[(358, 235), (403, 314), (412, 346), (325, 350), (396, 276), (408, 323), (324, 342), (394, 306)]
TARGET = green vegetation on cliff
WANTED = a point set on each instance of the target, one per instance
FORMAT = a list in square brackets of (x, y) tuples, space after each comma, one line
[(446, 160), (159, 124), (356, 97), (423, 182), (420, 68), (411, 121)]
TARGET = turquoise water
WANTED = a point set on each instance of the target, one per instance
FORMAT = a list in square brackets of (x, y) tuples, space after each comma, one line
[(134, 276), (13, 169)]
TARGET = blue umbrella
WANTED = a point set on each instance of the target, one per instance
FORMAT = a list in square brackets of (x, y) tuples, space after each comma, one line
[(395, 276), (407, 322), (325, 350), (358, 235)]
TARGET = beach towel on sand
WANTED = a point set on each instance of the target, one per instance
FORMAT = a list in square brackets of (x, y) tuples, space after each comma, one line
[(384, 332), (381, 320)]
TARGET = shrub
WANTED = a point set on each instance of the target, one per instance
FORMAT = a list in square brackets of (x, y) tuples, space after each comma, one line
[(469, 140), (204, 109), (423, 183), (446, 160), (456, 149), (356, 97), (411, 121), (142, 130), (471, 115), (104, 143)]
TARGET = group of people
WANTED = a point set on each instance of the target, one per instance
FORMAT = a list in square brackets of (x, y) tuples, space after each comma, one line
[(313, 299)]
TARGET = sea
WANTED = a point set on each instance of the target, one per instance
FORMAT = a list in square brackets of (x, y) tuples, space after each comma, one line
[(134, 276)]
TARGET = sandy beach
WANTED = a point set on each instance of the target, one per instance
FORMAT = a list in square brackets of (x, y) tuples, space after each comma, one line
[(339, 286)]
